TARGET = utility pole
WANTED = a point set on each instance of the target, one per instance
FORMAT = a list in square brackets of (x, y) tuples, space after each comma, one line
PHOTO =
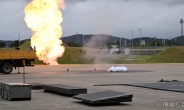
[(125, 42), (83, 39), (140, 36), (164, 39), (132, 40), (19, 39), (120, 43), (19, 45), (77, 38), (93, 39), (181, 21), (155, 47)]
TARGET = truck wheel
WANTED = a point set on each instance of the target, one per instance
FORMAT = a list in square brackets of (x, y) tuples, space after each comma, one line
[(7, 68)]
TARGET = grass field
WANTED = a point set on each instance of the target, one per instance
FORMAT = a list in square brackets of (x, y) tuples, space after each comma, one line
[(78, 55), (25, 45), (173, 54), (74, 55)]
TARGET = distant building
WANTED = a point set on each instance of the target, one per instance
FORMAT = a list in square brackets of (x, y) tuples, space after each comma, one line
[(114, 48), (143, 42)]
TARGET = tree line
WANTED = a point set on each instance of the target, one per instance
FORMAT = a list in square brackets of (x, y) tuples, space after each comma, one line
[(16, 43), (117, 42)]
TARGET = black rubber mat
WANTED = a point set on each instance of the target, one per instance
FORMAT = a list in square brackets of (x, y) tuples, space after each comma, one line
[(65, 89), (168, 86), (104, 97), (36, 85)]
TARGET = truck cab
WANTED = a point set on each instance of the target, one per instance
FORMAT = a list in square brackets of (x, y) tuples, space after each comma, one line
[(10, 59)]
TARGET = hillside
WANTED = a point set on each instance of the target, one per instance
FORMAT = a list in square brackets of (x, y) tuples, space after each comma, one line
[(170, 55), (104, 38), (76, 55), (27, 44)]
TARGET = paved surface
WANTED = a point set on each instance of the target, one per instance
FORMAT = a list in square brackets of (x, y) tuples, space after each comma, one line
[(85, 76)]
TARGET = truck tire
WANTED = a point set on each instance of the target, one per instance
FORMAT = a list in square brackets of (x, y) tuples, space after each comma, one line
[(6, 68)]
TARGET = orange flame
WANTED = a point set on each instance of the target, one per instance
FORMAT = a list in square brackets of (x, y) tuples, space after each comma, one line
[(43, 17)]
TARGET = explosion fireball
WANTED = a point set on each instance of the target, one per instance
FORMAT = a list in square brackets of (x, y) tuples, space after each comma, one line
[(43, 17)]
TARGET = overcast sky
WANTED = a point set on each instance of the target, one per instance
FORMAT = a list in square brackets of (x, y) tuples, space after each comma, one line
[(115, 17)]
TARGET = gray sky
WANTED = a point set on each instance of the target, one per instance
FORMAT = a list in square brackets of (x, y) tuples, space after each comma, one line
[(114, 17)]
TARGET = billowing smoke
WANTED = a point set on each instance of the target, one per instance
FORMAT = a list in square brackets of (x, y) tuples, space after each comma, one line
[(96, 48)]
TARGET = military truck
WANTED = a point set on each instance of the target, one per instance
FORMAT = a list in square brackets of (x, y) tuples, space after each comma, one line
[(10, 59)]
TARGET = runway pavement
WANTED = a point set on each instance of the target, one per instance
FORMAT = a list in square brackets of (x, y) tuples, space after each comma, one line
[(86, 76)]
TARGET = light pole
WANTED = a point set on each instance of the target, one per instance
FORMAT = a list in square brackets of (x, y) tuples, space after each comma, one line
[(19, 45), (155, 47), (83, 39), (125, 42), (140, 36), (175, 41), (120, 43), (77, 38), (181, 21), (164, 38), (93, 39), (19, 39), (132, 40)]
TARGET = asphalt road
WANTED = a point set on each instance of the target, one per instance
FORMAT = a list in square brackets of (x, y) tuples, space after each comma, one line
[(86, 76)]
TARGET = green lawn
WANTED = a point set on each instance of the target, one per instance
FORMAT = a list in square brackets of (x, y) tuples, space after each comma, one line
[(76, 55), (170, 55)]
